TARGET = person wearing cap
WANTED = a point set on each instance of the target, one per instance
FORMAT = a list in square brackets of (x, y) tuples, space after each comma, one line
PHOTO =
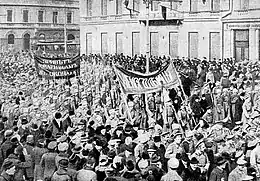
[(62, 173), (8, 171), (37, 154), (172, 174), (87, 173), (219, 173), (48, 161), (6, 145), (240, 171), (62, 148), (175, 148), (255, 158)]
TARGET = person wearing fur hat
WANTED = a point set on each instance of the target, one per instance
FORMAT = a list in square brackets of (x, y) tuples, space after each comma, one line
[(48, 161)]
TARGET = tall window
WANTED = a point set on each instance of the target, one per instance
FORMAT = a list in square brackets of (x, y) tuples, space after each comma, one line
[(155, 5), (173, 44), (118, 7), (9, 15), (193, 5), (10, 39), (55, 17), (25, 15), (244, 4), (136, 43), (193, 44), (136, 5), (119, 43), (40, 16), (214, 51), (104, 43), (69, 17), (241, 44), (88, 43), (154, 43), (89, 7), (215, 5), (103, 7)]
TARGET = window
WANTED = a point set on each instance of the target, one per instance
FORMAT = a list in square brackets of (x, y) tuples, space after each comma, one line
[(215, 5), (155, 5), (118, 7), (241, 45), (173, 44), (104, 43), (119, 43), (42, 36), (103, 7), (89, 7), (174, 5), (40, 16), (136, 5), (9, 15), (25, 15), (214, 42), (193, 5), (135, 43), (193, 44), (55, 18), (244, 4), (88, 43), (71, 37), (69, 17), (154, 43), (10, 39)]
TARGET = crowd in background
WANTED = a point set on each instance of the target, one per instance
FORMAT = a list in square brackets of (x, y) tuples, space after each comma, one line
[(82, 129)]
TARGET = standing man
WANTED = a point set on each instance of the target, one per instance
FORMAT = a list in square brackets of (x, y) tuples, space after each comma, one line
[(219, 173)]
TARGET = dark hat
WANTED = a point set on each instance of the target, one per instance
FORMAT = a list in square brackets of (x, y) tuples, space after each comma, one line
[(208, 144), (111, 154), (156, 139), (128, 128), (185, 157), (155, 158), (24, 121), (58, 115), (130, 165), (48, 134), (220, 160), (194, 160), (77, 149), (64, 163), (34, 127), (8, 164), (165, 133)]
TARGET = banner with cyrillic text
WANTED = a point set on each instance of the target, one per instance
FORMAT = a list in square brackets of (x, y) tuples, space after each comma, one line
[(137, 83), (57, 68)]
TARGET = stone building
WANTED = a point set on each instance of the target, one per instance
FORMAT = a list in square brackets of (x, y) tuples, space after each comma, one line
[(191, 28), (24, 22)]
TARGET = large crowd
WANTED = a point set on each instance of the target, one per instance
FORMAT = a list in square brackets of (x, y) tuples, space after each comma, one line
[(82, 129)]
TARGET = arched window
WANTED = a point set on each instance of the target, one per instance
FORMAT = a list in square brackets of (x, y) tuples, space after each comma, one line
[(26, 41), (10, 39), (42, 36), (71, 37)]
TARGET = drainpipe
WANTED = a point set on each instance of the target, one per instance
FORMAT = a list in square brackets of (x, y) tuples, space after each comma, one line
[(231, 7)]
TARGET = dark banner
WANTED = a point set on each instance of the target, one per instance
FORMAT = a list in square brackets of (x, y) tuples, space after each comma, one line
[(57, 68), (137, 83)]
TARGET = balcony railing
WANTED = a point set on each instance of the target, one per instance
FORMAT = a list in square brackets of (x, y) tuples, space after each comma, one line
[(111, 17)]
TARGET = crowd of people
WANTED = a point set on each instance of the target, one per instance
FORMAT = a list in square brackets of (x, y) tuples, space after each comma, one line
[(86, 129)]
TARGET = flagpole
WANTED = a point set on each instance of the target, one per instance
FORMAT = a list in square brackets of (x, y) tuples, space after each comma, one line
[(147, 36)]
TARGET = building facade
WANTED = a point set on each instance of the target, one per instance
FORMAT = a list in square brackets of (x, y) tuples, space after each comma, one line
[(24, 22), (191, 28)]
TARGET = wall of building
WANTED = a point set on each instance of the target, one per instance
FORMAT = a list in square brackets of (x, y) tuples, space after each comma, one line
[(33, 27)]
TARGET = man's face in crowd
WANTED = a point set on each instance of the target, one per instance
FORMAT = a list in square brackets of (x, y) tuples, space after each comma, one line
[(178, 139)]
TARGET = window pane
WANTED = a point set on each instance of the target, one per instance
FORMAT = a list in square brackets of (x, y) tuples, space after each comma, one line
[(104, 43), (136, 43), (118, 6), (242, 35), (11, 39), (244, 4), (25, 15), (193, 44), (69, 17), (214, 46), (155, 5), (215, 5), (119, 43), (136, 5), (40, 16), (89, 7), (88, 43), (194, 5), (154, 43), (9, 15), (55, 18), (173, 44), (103, 7)]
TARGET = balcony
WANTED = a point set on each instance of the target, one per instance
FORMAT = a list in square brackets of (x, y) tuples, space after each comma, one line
[(110, 18), (157, 15)]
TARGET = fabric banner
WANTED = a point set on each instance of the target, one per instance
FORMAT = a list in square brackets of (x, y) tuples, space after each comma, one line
[(137, 83), (57, 68)]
